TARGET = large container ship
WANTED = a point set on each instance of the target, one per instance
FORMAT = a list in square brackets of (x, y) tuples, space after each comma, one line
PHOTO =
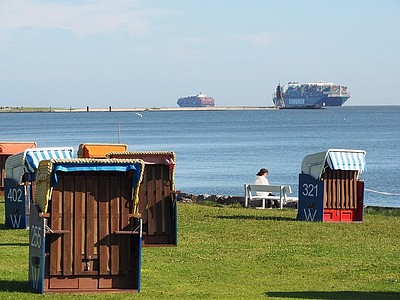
[(319, 94), (199, 100)]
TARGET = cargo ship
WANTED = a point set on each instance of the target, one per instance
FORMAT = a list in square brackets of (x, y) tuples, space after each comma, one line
[(310, 95), (199, 100)]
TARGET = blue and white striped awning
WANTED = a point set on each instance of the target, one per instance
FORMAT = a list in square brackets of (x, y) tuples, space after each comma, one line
[(335, 159), (28, 161), (348, 160), (35, 155)]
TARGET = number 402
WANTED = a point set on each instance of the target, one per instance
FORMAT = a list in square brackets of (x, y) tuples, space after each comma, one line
[(14, 195)]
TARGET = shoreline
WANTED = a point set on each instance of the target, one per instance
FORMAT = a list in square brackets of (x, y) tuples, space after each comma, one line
[(229, 200), (129, 109), (22, 109)]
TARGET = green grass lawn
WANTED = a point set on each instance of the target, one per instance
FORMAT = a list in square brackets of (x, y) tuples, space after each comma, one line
[(228, 252)]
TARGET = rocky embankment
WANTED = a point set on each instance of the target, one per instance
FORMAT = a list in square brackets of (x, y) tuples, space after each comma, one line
[(192, 198)]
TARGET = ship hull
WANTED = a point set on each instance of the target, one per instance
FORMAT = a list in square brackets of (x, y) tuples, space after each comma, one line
[(193, 104), (315, 101), (199, 100)]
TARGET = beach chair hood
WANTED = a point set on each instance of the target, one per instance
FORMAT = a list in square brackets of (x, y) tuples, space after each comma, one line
[(10, 148), (335, 159), (48, 169), (28, 161), (150, 158), (99, 150)]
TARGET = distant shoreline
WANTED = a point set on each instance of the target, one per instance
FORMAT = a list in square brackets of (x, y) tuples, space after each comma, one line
[(21, 109), (130, 109)]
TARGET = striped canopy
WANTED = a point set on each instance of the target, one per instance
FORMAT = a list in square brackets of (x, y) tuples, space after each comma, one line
[(34, 156), (346, 160), (336, 159), (28, 161)]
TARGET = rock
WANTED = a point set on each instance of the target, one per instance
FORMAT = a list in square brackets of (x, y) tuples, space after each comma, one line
[(202, 197), (221, 199), (190, 198)]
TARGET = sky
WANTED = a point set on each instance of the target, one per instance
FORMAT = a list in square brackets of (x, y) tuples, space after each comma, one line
[(148, 53)]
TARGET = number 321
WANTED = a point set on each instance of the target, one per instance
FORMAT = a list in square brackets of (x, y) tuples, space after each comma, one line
[(310, 190)]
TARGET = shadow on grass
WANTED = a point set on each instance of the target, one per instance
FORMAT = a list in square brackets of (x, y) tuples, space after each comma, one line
[(249, 217), (15, 286), (3, 227), (15, 244), (339, 295)]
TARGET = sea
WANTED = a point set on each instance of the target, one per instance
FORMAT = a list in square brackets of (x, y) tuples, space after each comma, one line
[(218, 151)]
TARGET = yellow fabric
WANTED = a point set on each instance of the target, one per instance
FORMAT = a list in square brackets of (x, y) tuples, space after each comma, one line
[(136, 191), (43, 190)]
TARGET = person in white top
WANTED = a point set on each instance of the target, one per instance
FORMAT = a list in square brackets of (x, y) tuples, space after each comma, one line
[(261, 178)]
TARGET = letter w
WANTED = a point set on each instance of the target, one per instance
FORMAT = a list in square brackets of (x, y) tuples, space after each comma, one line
[(309, 215), (15, 220), (35, 272)]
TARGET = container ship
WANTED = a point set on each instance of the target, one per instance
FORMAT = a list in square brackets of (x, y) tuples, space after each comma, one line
[(199, 100), (305, 95)]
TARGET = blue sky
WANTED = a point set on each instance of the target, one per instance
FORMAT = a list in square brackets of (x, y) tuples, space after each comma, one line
[(128, 53)]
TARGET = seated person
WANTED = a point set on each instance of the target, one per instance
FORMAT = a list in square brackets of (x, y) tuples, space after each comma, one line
[(261, 179)]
